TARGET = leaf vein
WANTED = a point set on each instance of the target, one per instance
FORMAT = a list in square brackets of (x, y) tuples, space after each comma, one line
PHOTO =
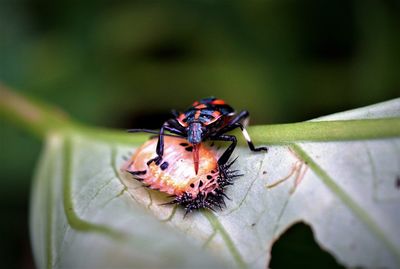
[(347, 200)]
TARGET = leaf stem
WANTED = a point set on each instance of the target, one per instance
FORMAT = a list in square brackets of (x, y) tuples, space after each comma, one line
[(41, 119), (326, 131)]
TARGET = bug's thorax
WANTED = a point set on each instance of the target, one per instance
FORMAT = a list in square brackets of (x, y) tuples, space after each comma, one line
[(206, 111), (195, 133)]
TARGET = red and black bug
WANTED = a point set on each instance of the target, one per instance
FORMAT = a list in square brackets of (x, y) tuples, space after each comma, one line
[(174, 176), (207, 119)]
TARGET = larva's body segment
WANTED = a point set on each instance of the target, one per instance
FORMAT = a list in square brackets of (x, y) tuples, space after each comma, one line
[(175, 174)]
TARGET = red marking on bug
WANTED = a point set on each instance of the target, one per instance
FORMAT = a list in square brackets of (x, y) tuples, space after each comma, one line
[(181, 117), (197, 115), (218, 102), (201, 106), (216, 114)]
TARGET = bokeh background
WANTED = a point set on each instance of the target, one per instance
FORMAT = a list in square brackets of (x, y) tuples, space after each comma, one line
[(125, 64)]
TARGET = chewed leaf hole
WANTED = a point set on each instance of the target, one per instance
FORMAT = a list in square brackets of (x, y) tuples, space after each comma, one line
[(296, 248)]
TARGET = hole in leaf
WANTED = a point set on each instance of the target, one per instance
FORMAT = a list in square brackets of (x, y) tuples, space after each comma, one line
[(297, 248)]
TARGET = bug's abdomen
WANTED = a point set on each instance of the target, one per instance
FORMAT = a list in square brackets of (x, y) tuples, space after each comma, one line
[(174, 174)]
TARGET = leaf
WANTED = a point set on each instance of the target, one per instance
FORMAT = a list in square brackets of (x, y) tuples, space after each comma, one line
[(82, 216), (86, 213)]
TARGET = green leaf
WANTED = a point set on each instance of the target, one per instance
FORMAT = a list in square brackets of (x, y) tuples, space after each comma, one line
[(86, 213)]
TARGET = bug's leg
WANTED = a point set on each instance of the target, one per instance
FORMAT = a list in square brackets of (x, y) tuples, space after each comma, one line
[(228, 152), (246, 135), (249, 141), (149, 132), (173, 123), (175, 113), (223, 160), (174, 127), (171, 126), (160, 146), (138, 173), (232, 124), (240, 117), (237, 122)]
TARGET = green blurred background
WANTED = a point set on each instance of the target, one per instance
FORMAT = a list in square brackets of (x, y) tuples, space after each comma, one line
[(125, 64)]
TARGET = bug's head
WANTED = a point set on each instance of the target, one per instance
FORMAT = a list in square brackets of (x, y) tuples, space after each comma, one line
[(195, 136)]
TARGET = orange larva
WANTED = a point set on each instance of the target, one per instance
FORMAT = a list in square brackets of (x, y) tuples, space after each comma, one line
[(175, 175)]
